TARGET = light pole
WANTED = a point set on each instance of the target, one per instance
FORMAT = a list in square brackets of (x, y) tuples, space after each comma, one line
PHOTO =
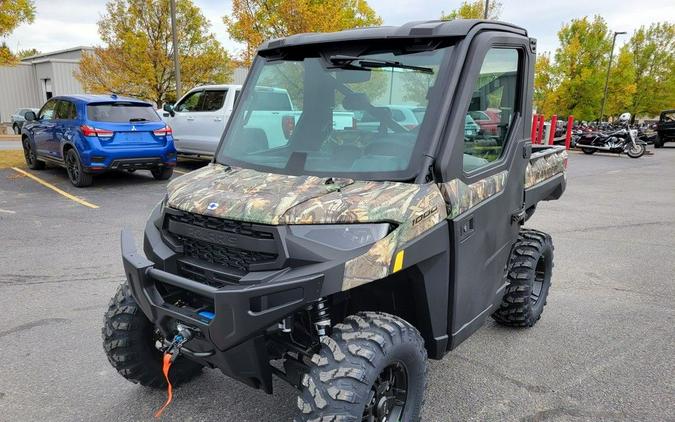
[(609, 66), (176, 63), (487, 4)]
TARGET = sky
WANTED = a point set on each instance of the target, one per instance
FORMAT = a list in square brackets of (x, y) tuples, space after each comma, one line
[(61, 24)]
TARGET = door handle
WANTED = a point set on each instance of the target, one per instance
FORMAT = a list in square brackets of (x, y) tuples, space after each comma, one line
[(217, 119), (189, 119)]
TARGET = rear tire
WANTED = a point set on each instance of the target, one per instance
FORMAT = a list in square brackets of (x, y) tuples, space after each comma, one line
[(370, 359), (31, 157), (16, 129), (75, 170), (658, 143), (529, 276), (129, 342), (162, 173)]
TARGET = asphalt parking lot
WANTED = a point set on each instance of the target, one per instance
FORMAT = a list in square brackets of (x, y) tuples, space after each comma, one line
[(603, 351)]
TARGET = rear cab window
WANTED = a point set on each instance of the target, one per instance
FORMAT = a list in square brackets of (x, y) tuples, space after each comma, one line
[(121, 112)]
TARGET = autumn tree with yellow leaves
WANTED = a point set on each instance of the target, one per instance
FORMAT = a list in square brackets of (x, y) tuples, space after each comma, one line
[(12, 14), (137, 57), (254, 21)]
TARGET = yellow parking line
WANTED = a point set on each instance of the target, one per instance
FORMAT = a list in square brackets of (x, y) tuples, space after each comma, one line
[(55, 189)]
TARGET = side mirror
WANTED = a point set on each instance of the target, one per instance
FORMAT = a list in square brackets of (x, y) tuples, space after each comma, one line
[(168, 107), (30, 116)]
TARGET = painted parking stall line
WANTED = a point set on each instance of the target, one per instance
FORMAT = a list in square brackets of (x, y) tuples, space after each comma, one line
[(56, 189)]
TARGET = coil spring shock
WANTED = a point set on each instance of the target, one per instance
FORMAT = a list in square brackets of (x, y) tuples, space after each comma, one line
[(320, 311)]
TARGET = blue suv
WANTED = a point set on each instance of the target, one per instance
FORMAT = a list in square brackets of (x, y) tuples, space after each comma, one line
[(91, 134)]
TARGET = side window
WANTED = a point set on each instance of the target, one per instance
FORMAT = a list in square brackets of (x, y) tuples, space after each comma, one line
[(65, 110), (193, 102), (47, 111), (494, 100), (214, 100)]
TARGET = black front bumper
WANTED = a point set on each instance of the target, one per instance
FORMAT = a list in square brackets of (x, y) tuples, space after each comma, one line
[(232, 340)]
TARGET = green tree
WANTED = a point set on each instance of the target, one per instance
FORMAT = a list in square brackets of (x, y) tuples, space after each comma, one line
[(621, 86), (474, 10), (137, 58), (653, 53), (22, 54), (545, 84), (580, 67), (12, 14), (254, 21)]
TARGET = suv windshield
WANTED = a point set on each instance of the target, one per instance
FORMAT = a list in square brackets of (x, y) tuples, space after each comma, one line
[(329, 114)]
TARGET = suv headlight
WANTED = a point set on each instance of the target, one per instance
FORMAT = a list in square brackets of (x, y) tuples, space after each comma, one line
[(344, 237)]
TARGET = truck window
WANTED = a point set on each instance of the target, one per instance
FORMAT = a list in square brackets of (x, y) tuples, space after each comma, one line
[(495, 89), (191, 102), (214, 100), (271, 100)]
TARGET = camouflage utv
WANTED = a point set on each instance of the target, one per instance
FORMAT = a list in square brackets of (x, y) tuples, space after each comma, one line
[(339, 257)]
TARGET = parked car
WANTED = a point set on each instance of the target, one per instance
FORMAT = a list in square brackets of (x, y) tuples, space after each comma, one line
[(199, 117), (19, 117), (487, 120), (91, 134), (665, 128)]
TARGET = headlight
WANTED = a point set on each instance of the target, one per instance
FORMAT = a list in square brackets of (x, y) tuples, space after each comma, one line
[(344, 237)]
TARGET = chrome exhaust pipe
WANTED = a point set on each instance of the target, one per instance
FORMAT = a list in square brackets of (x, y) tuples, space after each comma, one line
[(578, 145)]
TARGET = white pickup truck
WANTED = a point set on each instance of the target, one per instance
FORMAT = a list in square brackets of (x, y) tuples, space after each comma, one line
[(198, 119)]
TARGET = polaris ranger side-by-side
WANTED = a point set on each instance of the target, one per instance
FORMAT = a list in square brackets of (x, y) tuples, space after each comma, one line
[(339, 259)]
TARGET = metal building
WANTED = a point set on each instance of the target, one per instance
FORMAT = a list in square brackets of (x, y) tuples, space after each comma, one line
[(37, 78)]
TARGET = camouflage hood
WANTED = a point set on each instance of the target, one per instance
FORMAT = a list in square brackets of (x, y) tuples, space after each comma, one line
[(268, 198)]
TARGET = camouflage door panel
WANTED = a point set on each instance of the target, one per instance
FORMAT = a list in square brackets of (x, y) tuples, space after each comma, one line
[(462, 197), (544, 165)]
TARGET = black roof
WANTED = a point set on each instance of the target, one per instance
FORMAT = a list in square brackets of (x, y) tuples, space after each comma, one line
[(417, 29)]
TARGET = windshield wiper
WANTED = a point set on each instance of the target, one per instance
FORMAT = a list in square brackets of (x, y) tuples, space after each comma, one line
[(138, 119), (348, 62)]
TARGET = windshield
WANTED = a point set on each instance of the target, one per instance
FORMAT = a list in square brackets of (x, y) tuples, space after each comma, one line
[(331, 114)]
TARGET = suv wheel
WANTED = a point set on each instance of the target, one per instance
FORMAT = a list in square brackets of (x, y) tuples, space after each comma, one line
[(31, 158), (372, 368), (75, 171), (162, 173), (529, 276), (658, 143), (130, 341)]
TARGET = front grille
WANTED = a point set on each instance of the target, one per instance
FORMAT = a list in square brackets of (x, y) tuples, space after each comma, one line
[(238, 259), (220, 224), (233, 246)]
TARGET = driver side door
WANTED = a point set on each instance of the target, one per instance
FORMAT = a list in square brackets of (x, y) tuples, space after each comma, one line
[(43, 131), (184, 122)]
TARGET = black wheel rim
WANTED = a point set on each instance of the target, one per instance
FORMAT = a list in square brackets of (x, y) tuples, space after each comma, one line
[(387, 398), (28, 153), (73, 167), (539, 279)]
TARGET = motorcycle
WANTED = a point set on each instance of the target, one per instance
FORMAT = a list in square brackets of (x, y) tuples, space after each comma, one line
[(624, 140)]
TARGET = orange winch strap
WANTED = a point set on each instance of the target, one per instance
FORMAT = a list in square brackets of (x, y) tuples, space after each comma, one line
[(165, 368)]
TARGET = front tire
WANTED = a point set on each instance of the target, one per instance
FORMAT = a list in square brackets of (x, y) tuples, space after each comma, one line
[(162, 173), (31, 157), (529, 276), (373, 367), (589, 151), (636, 152), (75, 170), (129, 342), (658, 142)]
